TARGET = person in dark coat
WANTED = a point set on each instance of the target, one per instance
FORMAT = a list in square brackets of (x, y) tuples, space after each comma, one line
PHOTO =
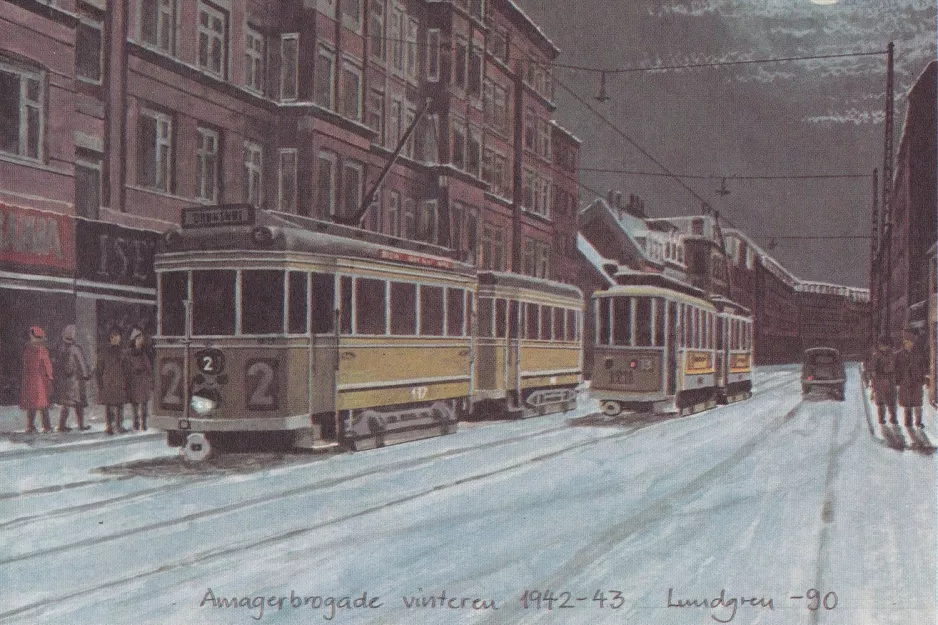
[(36, 381), (911, 369), (112, 374), (71, 374), (883, 376), (140, 387)]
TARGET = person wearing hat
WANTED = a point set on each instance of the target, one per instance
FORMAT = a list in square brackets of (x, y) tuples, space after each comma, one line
[(112, 374), (911, 369), (36, 380), (71, 373), (883, 376), (140, 387)]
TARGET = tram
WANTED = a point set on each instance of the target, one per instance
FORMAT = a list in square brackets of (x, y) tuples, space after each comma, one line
[(293, 332), (528, 349), (663, 346)]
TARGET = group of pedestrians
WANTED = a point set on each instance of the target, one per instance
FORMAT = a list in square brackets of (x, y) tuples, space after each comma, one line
[(123, 375), (899, 375)]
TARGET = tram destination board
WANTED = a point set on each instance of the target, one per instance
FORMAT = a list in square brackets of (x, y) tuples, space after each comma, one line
[(218, 216)]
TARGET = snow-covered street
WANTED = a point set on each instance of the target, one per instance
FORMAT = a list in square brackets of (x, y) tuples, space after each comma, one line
[(776, 510)]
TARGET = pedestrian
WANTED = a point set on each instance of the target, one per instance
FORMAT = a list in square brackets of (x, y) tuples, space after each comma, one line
[(71, 374), (883, 373), (140, 387), (36, 381), (910, 375), (112, 375)]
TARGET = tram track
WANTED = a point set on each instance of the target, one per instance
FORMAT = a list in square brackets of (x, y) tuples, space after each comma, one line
[(232, 548)]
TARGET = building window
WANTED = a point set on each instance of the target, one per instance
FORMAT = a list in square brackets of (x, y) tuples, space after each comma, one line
[(530, 130), (254, 60), (352, 178), (459, 144), (429, 224), (430, 145), (287, 180), (352, 14), (477, 8), (351, 91), (474, 151), (158, 24), (88, 57), (213, 39), (87, 189), (154, 150), (289, 51), (395, 120), (543, 139), (498, 44), (253, 172), (412, 26), (394, 214), (22, 107), (324, 85), (409, 116), (433, 55), (326, 184), (376, 30), (475, 70), (376, 114), (498, 251), (206, 165), (459, 63), (326, 7), (396, 39), (374, 211), (410, 220)]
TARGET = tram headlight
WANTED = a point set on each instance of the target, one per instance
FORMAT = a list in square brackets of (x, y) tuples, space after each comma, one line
[(202, 405)]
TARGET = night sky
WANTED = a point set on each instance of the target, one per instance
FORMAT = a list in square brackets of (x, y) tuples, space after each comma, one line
[(808, 117)]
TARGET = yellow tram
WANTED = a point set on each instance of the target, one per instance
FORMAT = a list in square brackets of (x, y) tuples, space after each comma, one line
[(528, 345), (297, 331), (663, 346), (287, 330)]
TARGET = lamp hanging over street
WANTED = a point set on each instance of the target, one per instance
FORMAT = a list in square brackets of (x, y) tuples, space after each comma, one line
[(602, 96)]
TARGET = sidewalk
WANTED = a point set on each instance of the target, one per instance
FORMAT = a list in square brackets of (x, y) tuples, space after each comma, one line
[(13, 426), (872, 414)]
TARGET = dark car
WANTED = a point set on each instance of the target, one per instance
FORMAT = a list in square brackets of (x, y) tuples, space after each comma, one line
[(823, 368)]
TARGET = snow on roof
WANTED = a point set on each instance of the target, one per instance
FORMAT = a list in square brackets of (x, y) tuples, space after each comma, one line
[(514, 5), (592, 255), (565, 131)]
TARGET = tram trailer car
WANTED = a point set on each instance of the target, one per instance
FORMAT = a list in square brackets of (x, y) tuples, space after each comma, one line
[(662, 347), (529, 356), (274, 328)]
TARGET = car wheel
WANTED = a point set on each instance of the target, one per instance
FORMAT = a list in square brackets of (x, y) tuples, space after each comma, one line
[(805, 389)]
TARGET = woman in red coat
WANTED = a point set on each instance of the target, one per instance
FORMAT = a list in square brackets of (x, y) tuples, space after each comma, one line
[(36, 381)]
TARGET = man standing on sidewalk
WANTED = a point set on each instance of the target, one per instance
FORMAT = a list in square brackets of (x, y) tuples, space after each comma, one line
[(910, 375), (883, 374), (112, 372), (72, 374)]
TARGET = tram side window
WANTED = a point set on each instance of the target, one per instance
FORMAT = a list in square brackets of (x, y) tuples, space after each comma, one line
[(735, 334), (622, 318), (371, 317), (213, 302), (455, 299), (643, 318), (659, 321), (174, 288), (501, 320), (513, 319), (531, 318), (558, 324), (695, 339), (687, 321), (604, 328), (431, 310), (403, 309), (571, 325), (322, 297), (545, 323), (485, 316), (346, 304), (261, 302), (298, 304)]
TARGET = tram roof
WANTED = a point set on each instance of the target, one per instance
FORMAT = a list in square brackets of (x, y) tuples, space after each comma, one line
[(282, 232), (519, 281), (628, 277)]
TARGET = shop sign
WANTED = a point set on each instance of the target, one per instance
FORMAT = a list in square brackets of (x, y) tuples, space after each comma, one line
[(35, 238), (115, 254)]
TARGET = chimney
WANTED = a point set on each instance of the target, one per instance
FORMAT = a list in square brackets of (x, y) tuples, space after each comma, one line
[(619, 199), (610, 197)]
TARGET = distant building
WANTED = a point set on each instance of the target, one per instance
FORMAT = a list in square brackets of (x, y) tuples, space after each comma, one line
[(834, 316)]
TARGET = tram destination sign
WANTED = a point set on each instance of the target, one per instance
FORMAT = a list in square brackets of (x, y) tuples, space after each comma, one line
[(218, 216), (426, 261)]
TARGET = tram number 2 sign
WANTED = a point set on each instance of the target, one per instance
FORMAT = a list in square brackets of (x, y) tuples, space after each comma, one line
[(171, 389), (261, 384)]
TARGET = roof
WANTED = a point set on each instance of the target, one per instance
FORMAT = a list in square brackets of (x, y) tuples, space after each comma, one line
[(565, 131), (594, 258), (520, 281), (515, 8)]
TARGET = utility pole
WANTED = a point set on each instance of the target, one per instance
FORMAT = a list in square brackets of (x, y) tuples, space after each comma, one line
[(887, 187), (874, 261)]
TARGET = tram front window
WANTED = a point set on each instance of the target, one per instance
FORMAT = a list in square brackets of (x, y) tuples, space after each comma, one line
[(174, 287), (262, 302), (213, 302)]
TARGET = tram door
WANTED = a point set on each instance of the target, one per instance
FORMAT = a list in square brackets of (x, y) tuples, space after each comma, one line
[(671, 371), (722, 354)]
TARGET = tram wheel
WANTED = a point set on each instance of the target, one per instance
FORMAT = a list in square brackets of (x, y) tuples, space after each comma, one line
[(612, 408), (197, 448)]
